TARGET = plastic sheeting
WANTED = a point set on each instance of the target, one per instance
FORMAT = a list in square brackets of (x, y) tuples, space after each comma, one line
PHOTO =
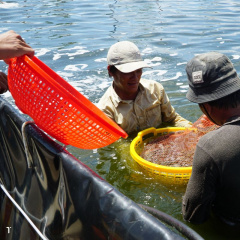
[(62, 197)]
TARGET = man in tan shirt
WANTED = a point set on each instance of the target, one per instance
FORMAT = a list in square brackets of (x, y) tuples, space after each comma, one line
[(132, 102)]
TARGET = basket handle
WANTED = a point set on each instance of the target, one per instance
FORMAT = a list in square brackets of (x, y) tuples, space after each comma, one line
[(151, 130)]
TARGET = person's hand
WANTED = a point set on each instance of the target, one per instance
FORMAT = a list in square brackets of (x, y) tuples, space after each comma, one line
[(3, 83), (12, 45)]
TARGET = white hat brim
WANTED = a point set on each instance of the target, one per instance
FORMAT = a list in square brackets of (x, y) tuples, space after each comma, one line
[(132, 66)]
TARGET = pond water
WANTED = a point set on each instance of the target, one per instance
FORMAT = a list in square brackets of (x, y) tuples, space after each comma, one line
[(73, 36)]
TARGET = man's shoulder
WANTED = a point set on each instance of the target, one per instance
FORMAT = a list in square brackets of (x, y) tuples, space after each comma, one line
[(150, 83), (220, 138), (105, 99), (212, 135)]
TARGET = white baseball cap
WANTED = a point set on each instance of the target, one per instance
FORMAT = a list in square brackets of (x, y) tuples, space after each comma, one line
[(126, 57)]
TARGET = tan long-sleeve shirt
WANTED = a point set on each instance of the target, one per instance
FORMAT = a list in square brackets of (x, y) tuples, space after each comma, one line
[(150, 108)]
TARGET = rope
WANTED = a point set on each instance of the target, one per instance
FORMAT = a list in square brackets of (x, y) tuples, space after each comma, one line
[(28, 155), (181, 227), (23, 213)]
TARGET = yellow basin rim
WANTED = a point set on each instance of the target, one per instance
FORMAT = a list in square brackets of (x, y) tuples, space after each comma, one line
[(172, 172)]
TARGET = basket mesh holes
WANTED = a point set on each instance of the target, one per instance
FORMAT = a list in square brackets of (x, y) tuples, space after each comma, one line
[(43, 101), (107, 133)]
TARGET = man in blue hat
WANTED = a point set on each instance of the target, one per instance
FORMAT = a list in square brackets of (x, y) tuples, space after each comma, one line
[(214, 185)]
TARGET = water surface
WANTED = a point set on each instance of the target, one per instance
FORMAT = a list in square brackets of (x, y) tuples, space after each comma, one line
[(73, 36)]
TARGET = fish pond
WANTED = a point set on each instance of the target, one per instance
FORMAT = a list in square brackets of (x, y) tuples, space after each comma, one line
[(73, 36)]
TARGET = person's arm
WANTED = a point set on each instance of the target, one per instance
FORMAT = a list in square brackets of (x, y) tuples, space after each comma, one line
[(179, 121), (12, 45), (105, 105), (201, 189), (3, 83), (169, 114)]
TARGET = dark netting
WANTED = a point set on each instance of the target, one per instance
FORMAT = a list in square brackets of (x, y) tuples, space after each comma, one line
[(61, 196), (176, 149)]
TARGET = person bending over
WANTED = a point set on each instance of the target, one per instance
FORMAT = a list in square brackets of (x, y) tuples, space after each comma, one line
[(215, 181)]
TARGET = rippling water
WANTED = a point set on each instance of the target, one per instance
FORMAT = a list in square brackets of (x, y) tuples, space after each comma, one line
[(73, 36)]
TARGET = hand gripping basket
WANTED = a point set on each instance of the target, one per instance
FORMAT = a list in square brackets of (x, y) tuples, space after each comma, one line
[(58, 108)]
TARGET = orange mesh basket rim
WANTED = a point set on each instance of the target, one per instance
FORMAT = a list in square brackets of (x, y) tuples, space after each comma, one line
[(70, 91)]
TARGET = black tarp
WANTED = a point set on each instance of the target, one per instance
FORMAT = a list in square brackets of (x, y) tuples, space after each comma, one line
[(61, 196)]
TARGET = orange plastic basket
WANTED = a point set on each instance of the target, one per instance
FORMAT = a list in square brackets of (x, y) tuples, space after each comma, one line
[(58, 108)]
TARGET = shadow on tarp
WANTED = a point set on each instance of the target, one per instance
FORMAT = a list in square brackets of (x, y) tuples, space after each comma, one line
[(61, 196)]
